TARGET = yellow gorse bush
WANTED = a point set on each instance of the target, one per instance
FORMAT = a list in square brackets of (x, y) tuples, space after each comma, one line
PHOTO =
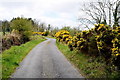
[(100, 40), (40, 33), (116, 42), (63, 35)]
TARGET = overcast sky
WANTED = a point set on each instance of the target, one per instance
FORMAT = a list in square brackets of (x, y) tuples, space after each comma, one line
[(55, 12)]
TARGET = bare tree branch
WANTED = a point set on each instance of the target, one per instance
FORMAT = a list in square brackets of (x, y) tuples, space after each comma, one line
[(102, 11)]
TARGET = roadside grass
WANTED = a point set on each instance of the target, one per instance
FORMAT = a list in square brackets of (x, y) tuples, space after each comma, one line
[(84, 63), (0, 66), (13, 56)]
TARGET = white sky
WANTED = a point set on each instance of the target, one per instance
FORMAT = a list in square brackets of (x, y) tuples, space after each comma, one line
[(55, 12)]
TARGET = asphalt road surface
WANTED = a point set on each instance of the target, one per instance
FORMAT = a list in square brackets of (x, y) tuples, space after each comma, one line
[(46, 61)]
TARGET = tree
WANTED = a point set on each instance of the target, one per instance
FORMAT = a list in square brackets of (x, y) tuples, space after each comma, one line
[(42, 27), (116, 14), (24, 26), (101, 12), (0, 26), (21, 24), (35, 24), (5, 26), (49, 27)]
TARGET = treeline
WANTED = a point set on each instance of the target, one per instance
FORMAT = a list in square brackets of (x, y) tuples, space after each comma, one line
[(20, 23), (19, 30)]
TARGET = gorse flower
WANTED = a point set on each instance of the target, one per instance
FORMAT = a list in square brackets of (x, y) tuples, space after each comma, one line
[(101, 25), (69, 42), (117, 54), (99, 48), (115, 40), (39, 33)]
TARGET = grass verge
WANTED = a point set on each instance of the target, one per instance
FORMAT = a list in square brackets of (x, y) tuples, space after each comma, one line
[(13, 56), (88, 67)]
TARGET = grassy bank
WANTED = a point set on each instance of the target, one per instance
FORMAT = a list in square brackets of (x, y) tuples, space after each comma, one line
[(13, 56), (88, 67)]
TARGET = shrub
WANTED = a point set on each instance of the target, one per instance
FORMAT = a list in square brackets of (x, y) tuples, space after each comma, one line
[(100, 41), (11, 39), (24, 26), (41, 33)]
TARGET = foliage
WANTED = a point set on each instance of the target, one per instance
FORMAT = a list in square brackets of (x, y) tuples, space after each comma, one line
[(46, 33), (72, 31), (11, 39), (101, 41), (41, 33), (89, 68), (36, 37), (24, 26), (63, 36), (20, 30), (5, 27), (108, 43), (21, 24)]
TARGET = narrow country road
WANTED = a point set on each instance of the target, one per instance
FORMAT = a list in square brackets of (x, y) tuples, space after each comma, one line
[(46, 61)]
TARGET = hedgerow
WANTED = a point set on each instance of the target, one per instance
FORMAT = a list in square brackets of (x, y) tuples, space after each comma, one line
[(41, 33), (100, 41)]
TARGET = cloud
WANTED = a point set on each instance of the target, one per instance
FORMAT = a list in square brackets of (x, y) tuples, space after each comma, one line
[(55, 12)]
